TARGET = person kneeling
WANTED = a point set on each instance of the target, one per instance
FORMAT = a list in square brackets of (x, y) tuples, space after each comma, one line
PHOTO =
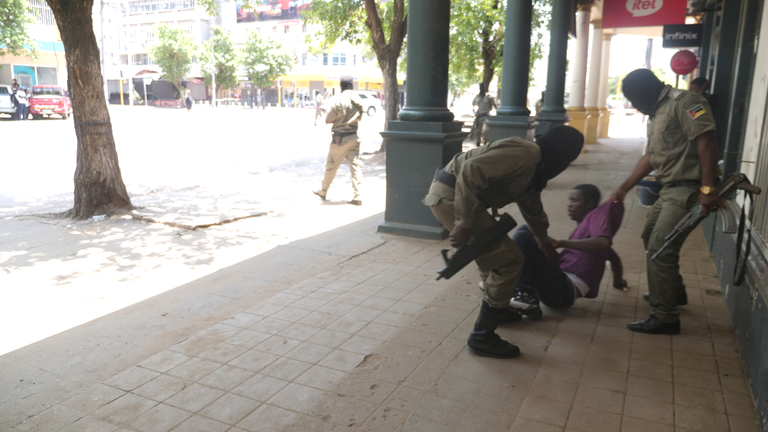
[(582, 259)]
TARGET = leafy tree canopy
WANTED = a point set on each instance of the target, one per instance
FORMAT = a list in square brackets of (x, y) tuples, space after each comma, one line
[(226, 59), (15, 19), (173, 52), (265, 59)]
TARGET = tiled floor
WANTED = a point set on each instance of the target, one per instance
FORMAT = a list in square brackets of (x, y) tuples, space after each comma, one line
[(376, 344)]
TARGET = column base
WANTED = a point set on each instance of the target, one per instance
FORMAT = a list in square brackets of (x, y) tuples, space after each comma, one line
[(500, 127), (604, 122), (578, 119), (550, 119), (593, 117), (414, 151)]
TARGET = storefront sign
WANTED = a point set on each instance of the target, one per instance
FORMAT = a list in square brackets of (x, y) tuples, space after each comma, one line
[(682, 36), (643, 13), (374, 86), (683, 62), (329, 84), (300, 83)]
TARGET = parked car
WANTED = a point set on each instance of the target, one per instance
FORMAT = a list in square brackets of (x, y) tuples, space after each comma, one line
[(6, 105), (370, 101), (48, 100)]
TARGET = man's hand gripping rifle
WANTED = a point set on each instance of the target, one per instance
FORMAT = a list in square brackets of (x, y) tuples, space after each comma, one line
[(726, 191), (470, 252)]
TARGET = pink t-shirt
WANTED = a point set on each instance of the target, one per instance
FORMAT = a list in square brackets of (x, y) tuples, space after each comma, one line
[(603, 221)]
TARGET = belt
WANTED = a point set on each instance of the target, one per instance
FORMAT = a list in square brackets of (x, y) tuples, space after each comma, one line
[(685, 183), (342, 135), (445, 178)]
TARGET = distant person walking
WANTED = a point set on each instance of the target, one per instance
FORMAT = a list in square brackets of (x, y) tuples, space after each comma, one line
[(484, 103), (22, 99), (540, 103), (344, 112), (319, 111), (188, 100)]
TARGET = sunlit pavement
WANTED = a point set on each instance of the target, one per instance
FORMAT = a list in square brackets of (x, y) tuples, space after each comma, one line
[(311, 321)]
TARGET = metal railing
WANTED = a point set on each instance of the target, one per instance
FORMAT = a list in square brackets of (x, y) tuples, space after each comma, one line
[(42, 12)]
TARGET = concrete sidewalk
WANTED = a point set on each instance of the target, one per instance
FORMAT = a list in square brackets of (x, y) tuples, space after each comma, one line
[(349, 331)]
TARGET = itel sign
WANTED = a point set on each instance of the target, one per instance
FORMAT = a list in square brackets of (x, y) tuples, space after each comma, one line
[(643, 13)]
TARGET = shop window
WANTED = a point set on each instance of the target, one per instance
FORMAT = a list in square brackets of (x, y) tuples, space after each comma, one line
[(325, 59), (339, 59)]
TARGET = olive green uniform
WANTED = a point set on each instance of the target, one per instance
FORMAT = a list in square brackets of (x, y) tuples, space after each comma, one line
[(484, 106), (679, 118), (344, 111), (493, 176)]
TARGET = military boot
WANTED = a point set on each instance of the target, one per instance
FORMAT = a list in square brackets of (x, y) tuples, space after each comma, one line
[(484, 341)]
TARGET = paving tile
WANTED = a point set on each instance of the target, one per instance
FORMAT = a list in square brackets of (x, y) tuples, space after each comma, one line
[(560, 371), (360, 345), (649, 409), (309, 352), (384, 419), (305, 423), (552, 389), (651, 354), (404, 398), (50, 420), (291, 314), (329, 338), (604, 379), (415, 338), (649, 388), (164, 361), (230, 408), (265, 309), (243, 320), (124, 409), (342, 410), (295, 397), (341, 360), (734, 384), (729, 367), (615, 362), (740, 405), (260, 387), (277, 345), (378, 331), (364, 388), (320, 377), (695, 378), (222, 352), (131, 378), (694, 361), (201, 424), (226, 377), (545, 411), (284, 299), (310, 304), (700, 420), (270, 325), (629, 424), (347, 325), (325, 294), (162, 387), (194, 398), (693, 346), (267, 419), (392, 293), (248, 338), (335, 308), (319, 319), (406, 307), (254, 360), (525, 425), (353, 299), (194, 369), (590, 420), (160, 418), (286, 369), (89, 424), (599, 399), (93, 398), (695, 397), (650, 370), (743, 424)]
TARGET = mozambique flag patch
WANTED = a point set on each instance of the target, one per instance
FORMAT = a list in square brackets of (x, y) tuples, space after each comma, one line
[(696, 111)]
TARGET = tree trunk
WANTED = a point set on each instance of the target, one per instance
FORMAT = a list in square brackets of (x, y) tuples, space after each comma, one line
[(391, 90), (99, 187)]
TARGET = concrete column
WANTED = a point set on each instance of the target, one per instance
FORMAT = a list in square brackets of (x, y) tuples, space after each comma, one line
[(605, 115), (425, 137), (427, 82), (576, 110), (512, 117), (593, 83), (553, 112)]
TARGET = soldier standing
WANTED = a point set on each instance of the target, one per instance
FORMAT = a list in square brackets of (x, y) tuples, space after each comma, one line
[(682, 148), (344, 112), (484, 103)]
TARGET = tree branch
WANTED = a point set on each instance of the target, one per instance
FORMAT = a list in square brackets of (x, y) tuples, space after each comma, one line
[(374, 23)]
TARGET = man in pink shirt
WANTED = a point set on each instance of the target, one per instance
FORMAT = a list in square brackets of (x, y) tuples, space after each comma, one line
[(582, 258)]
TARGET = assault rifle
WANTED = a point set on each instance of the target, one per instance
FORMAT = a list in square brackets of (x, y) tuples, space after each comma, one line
[(470, 252), (726, 191)]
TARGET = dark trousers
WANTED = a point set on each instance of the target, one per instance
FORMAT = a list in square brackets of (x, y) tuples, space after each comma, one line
[(542, 277)]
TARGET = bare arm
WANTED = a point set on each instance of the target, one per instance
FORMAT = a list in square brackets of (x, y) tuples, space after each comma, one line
[(706, 144), (642, 169), (589, 245), (618, 270)]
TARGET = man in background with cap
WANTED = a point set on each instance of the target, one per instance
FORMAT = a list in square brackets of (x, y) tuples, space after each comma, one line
[(682, 148), (344, 112), (493, 176)]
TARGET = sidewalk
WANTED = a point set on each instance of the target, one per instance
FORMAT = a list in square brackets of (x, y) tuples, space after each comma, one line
[(349, 331)]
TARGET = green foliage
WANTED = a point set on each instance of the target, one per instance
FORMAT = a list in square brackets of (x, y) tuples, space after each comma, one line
[(225, 56), (265, 59), (477, 40), (173, 52), (137, 100), (15, 19), (342, 20)]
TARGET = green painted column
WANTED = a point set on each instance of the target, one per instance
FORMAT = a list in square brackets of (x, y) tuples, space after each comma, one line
[(425, 137), (426, 87), (512, 117), (553, 112)]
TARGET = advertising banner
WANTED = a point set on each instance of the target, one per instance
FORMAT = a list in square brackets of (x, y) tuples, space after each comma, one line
[(682, 36), (270, 10), (643, 13)]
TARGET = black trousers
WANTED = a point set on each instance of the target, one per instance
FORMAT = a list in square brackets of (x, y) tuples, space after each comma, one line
[(542, 277)]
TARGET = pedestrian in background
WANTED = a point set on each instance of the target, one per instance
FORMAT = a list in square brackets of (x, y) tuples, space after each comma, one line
[(484, 103), (188, 100), (319, 107), (14, 89), (344, 112), (22, 99)]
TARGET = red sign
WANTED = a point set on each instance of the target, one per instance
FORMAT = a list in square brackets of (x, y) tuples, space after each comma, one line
[(643, 13), (683, 62)]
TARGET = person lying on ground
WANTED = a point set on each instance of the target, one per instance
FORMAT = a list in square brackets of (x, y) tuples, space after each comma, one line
[(582, 258)]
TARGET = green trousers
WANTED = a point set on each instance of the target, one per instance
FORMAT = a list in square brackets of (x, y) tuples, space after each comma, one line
[(664, 280)]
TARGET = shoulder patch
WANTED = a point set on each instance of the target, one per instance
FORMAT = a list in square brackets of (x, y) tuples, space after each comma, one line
[(696, 111)]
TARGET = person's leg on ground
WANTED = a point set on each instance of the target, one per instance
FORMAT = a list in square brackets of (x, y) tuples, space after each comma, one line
[(355, 169), (664, 272), (336, 155)]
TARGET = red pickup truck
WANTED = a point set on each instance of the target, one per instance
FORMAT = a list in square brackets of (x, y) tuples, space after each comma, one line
[(47, 100)]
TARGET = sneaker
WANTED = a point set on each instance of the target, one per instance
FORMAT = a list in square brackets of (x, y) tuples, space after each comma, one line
[(526, 304), (319, 193)]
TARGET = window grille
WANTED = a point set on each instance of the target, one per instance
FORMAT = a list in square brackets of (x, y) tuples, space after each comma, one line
[(143, 6)]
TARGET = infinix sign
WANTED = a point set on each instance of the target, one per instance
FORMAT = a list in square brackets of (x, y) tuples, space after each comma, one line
[(682, 36)]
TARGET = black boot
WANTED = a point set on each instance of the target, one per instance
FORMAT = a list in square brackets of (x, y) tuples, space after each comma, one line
[(483, 341)]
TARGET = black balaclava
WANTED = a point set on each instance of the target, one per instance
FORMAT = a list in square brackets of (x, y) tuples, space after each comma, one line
[(642, 88), (559, 147), (482, 89), (345, 82)]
